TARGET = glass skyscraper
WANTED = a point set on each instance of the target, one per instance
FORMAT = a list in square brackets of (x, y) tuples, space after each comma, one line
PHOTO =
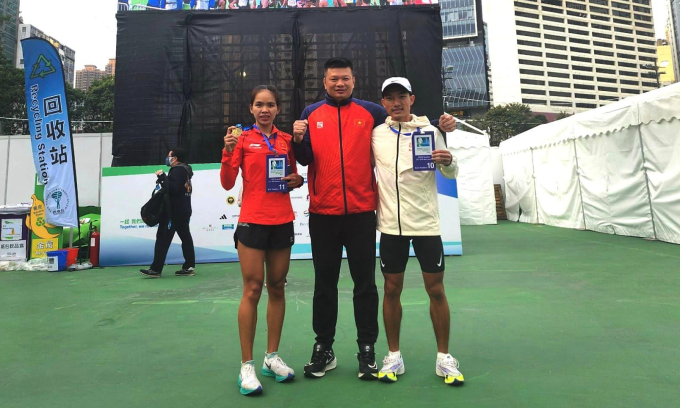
[(9, 9), (465, 77), (464, 58), (459, 18)]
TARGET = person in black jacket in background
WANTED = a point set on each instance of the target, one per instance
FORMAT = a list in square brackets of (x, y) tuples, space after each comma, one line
[(178, 183)]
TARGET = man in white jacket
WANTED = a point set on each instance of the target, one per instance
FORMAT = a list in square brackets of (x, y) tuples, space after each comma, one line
[(407, 149)]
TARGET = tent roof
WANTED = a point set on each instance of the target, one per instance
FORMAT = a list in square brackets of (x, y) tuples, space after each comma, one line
[(460, 139), (655, 106)]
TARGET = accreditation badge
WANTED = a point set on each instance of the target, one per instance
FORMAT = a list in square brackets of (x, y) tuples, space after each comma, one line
[(276, 170), (422, 146)]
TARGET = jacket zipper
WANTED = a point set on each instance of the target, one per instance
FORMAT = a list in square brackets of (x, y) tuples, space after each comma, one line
[(396, 180), (342, 162)]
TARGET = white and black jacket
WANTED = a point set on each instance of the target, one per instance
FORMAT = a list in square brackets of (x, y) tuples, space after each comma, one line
[(407, 199)]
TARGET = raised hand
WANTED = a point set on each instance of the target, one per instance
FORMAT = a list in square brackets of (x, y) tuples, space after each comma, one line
[(230, 139), (299, 130), (447, 123)]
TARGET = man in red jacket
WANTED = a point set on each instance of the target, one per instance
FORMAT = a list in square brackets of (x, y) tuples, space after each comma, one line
[(333, 138)]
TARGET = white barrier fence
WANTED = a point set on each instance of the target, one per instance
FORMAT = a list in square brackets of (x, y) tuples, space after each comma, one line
[(93, 152), (17, 171)]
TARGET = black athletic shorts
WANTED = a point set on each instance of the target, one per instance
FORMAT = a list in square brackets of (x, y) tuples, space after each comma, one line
[(263, 237), (394, 251)]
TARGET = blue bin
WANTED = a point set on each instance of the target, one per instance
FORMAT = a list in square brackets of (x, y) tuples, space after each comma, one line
[(60, 259)]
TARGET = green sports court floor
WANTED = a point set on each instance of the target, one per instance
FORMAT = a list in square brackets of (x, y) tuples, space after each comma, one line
[(541, 317)]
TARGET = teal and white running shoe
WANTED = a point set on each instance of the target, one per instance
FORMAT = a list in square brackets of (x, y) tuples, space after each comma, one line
[(273, 366), (247, 380)]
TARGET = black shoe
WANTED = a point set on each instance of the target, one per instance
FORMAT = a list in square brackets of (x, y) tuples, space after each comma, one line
[(368, 368), (186, 272), (323, 359), (150, 273)]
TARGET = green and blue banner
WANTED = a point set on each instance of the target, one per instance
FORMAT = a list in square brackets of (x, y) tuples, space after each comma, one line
[(50, 130), (126, 240)]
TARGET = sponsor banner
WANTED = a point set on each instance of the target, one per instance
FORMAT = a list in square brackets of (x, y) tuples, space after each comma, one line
[(126, 240), (128, 5), (449, 216)]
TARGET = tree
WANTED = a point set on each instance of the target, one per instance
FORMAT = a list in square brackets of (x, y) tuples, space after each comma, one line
[(12, 97), (505, 121), (95, 105), (563, 115), (76, 103), (76, 107), (99, 105)]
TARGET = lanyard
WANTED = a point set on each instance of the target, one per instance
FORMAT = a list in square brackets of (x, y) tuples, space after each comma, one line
[(405, 134), (266, 139)]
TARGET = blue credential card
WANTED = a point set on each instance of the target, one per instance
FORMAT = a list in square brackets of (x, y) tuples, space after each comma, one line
[(276, 170), (422, 145)]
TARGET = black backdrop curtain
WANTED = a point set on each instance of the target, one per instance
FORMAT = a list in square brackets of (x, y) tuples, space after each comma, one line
[(183, 77)]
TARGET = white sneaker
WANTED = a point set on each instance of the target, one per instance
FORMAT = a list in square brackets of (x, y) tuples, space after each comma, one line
[(447, 367), (275, 367), (247, 380), (393, 365)]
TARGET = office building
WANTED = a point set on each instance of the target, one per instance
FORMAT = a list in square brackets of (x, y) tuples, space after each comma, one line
[(665, 63), (673, 34), (571, 56), (110, 69), (9, 10), (85, 77), (67, 55), (464, 58)]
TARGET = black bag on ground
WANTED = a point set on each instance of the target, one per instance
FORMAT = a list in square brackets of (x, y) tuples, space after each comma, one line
[(156, 207)]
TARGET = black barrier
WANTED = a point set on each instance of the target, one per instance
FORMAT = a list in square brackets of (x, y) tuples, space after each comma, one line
[(183, 77)]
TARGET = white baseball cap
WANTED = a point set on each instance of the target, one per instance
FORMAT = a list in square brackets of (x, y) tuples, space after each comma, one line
[(403, 82)]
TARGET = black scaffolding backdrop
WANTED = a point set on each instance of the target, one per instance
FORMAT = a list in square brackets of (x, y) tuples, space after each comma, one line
[(183, 77)]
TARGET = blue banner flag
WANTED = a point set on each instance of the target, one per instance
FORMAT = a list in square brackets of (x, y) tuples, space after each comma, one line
[(50, 129)]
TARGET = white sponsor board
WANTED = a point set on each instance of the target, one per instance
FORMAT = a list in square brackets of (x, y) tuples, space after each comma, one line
[(126, 240), (13, 250)]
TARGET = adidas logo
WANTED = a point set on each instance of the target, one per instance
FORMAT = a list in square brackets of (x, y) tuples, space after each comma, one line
[(223, 217)]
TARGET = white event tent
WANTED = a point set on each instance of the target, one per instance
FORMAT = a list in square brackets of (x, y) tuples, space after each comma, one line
[(476, 196), (615, 169)]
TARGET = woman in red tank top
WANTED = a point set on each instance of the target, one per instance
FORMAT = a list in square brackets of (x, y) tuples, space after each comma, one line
[(265, 229)]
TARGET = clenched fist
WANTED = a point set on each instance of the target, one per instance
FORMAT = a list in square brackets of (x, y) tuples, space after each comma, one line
[(299, 130), (447, 123)]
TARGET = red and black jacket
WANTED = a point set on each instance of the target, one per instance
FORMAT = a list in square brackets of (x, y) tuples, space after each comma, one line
[(337, 151)]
